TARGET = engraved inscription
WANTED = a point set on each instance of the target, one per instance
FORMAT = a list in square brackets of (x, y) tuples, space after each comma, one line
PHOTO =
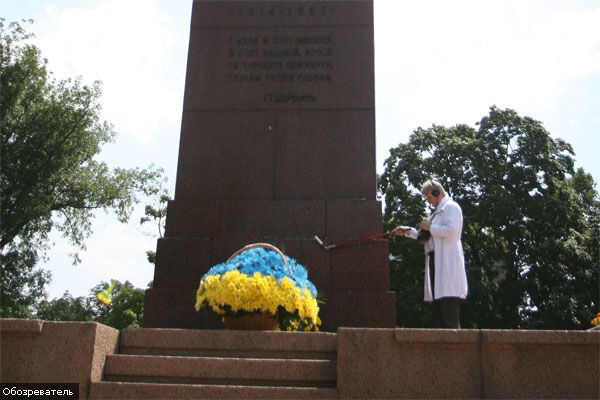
[(300, 59), (290, 11)]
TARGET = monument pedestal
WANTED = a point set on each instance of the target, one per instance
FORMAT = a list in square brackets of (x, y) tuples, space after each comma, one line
[(277, 145)]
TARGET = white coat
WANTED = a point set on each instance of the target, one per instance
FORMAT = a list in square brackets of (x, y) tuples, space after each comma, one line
[(450, 275)]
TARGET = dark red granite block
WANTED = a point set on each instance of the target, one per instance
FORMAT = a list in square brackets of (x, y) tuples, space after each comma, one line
[(256, 155), (352, 219), (224, 247), (361, 267), (241, 13), (193, 219), (335, 219), (225, 155), (174, 308), (181, 262), (258, 219), (341, 166), (359, 308), (316, 260), (268, 68)]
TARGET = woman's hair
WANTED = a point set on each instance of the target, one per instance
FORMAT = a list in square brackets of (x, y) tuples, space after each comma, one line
[(433, 187)]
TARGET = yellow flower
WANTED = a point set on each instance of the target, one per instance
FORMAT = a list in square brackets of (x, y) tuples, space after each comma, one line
[(103, 298), (256, 293)]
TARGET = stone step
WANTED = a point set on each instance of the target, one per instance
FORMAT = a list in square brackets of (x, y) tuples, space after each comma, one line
[(235, 344), (123, 390), (220, 371)]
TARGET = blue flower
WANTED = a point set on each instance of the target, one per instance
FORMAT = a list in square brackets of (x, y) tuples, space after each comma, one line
[(266, 262)]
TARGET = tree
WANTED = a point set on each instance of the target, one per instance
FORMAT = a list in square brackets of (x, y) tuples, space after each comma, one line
[(49, 178), (21, 283), (126, 308), (123, 307), (157, 214), (66, 308), (531, 222)]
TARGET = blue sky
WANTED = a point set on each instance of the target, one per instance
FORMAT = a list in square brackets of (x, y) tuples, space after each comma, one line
[(436, 62)]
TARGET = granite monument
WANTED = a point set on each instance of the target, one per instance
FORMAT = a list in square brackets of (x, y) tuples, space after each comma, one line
[(277, 145)]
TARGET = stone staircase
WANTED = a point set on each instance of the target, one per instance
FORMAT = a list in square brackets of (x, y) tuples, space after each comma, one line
[(209, 364)]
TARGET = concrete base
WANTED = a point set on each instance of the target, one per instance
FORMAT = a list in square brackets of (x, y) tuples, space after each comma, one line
[(35, 351), (366, 363), (452, 364)]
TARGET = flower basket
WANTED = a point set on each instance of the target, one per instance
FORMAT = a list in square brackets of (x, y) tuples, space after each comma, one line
[(260, 288), (252, 322)]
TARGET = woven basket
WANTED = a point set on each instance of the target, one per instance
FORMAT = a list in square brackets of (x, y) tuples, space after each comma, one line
[(258, 321), (252, 322), (263, 245)]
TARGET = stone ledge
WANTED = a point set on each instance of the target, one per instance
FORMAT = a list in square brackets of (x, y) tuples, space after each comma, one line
[(436, 335), (169, 369), (403, 363), (55, 351), (497, 336), (391, 363), (228, 340), (120, 390), (268, 14), (518, 337), (25, 327)]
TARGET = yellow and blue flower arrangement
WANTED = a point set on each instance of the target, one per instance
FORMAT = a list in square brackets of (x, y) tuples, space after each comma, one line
[(261, 279)]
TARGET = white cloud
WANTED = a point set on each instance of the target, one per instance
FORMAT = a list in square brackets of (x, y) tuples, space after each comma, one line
[(447, 62), (128, 45)]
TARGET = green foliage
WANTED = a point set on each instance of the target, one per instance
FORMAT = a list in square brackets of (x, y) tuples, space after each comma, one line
[(126, 309), (21, 283), (66, 308), (531, 223), (49, 179), (156, 213)]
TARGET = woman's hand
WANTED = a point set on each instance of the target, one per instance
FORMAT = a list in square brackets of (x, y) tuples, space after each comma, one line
[(425, 224)]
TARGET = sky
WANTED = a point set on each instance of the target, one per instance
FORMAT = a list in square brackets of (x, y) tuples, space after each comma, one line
[(436, 62)]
